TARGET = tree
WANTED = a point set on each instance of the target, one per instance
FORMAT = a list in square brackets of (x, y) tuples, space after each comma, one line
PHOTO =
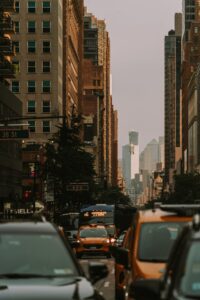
[(67, 161), (186, 189), (113, 195)]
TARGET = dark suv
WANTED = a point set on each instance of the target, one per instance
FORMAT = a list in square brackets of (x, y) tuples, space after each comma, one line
[(37, 263), (181, 279)]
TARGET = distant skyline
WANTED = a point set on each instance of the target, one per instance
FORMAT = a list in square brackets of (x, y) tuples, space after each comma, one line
[(137, 30)]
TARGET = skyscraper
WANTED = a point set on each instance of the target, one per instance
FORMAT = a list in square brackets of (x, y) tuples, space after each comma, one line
[(48, 82), (172, 96), (130, 161)]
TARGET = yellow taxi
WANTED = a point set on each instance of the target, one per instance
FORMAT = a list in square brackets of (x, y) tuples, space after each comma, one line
[(93, 239), (147, 245)]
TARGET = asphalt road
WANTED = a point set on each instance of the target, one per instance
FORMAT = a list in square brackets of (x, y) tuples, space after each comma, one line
[(105, 286)]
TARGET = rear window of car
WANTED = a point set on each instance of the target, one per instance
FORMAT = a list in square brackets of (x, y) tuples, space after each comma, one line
[(156, 240), (93, 232), (40, 254), (190, 275)]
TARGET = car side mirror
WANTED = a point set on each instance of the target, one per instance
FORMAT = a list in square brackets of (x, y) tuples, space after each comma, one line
[(97, 271), (145, 289), (122, 257)]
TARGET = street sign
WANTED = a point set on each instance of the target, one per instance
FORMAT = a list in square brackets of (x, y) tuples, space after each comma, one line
[(77, 187), (10, 134)]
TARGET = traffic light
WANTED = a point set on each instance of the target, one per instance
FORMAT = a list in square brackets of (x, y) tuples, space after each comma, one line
[(27, 195)]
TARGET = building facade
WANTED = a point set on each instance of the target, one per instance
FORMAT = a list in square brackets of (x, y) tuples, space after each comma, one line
[(130, 163), (172, 99), (49, 81), (97, 49)]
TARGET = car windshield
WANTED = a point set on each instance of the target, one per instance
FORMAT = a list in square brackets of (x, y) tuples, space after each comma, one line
[(39, 254), (156, 240), (190, 279), (111, 230), (93, 232)]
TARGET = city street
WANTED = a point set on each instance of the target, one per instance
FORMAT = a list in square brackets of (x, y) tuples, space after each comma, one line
[(106, 286)]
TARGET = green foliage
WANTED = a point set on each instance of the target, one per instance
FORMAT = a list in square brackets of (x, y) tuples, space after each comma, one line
[(113, 195), (66, 159), (186, 189)]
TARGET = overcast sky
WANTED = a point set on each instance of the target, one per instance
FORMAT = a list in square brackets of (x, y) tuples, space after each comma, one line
[(137, 29)]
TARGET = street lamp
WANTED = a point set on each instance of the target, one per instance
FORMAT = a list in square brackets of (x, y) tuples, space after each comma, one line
[(36, 161)]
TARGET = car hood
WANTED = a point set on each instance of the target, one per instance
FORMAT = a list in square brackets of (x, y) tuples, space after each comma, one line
[(93, 240), (47, 289), (150, 269)]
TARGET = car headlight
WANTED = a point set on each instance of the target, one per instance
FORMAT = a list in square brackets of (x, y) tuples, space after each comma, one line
[(108, 241), (112, 240)]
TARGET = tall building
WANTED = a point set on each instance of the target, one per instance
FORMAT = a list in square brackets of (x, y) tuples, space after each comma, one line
[(188, 16), (48, 82), (191, 50), (10, 107), (97, 49), (150, 157), (130, 162), (48, 42), (172, 97), (114, 147)]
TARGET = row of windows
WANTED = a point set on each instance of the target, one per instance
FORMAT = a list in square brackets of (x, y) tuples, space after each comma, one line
[(45, 126), (31, 66), (31, 6), (31, 106), (31, 46), (31, 86), (31, 26)]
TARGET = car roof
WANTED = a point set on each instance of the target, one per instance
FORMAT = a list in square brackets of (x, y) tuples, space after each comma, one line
[(156, 215), (27, 227)]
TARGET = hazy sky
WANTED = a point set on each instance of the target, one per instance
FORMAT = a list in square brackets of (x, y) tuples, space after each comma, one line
[(137, 29)]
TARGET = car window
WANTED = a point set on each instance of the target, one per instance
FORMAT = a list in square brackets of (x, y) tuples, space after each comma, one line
[(156, 240), (93, 232), (190, 279), (43, 254)]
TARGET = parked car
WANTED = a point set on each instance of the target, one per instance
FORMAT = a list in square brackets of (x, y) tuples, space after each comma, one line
[(120, 238), (147, 246), (181, 280), (36, 263), (93, 239)]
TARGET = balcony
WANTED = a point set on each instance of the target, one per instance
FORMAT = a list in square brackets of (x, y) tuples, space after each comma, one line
[(7, 69), (7, 5), (6, 46), (6, 24)]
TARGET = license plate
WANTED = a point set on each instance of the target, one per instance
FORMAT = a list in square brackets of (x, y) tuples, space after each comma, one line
[(93, 248)]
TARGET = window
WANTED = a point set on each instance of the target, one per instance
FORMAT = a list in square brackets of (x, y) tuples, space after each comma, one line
[(16, 66), (15, 86), (196, 29), (46, 26), (31, 26), (17, 6), (16, 45), (17, 26), (31, 106), (31, 125), (46, 126), (31, 46), (31, 6), (46, 106), (31, 66), (46, 86), (46, 66), (46, 5), (46, 46), (31, 86)]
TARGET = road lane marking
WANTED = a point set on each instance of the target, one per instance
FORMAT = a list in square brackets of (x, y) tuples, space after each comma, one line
[(106, 284)]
